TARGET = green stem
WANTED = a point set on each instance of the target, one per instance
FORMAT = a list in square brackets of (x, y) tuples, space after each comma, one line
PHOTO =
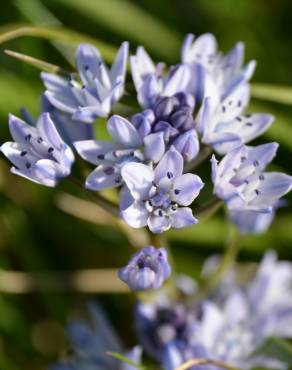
[(231, 251), (204, 153), (104, 203), (209, 208)]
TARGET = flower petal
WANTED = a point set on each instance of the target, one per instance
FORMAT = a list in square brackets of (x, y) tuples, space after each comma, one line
[(136, 215), (158, 224), (186, 188), (178, 81), (94, 150), (88, 60), (123, 132), (138, 178), (48, 131), (118, 70), (103, 177), (171, 162), (187, 144), (154, 146), (183, 217), (20, 130)]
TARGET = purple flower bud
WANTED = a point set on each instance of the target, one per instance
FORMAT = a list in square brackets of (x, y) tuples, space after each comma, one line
[(147, 269), (164, 107), (187, 144), (143, 122)]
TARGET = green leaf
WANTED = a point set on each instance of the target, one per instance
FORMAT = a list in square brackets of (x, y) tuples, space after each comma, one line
[(277, 348), (44, 66), (15, 92), (274, 93), (281, 129), (61, 34), (126, 360), (128, 20)]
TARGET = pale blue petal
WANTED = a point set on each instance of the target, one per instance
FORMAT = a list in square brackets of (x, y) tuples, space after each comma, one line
[(171, 162), (94, 150), (136, 215), (188, 187), (138, 178), (123, 132), (182, 217), (154, 146)]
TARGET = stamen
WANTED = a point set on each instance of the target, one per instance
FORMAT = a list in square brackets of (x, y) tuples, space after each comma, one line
[(27, 137), (51, 149), (257, 191), (256, 163), (169, 175), (109, 171), (28, 165), (100, 156), (261, 177), (23, 153), (176, 191)]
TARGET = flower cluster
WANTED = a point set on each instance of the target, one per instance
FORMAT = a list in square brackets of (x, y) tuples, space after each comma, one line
[(231, 327), (202, 99), (90, 345)]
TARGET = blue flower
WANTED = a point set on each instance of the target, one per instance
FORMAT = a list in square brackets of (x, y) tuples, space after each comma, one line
[(110, 157), (165, 329), (223, 123), (90, 345), (100, 88), (38, 153), (147, 269), (239, 179), (151, 83), (69, 129), (229, 328), (234, 330), (173, 116), (209, 66), (154, 196)]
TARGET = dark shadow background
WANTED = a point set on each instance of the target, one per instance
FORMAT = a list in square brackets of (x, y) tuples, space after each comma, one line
[(36, 235)]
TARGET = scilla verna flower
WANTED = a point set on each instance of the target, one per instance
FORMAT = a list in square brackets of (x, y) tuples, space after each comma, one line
[(149, 81), (234, 330), (90, 344), (110, 157), (156, 195), (173, 116), (38, 153), (99, 89), (239, 179), (224, 125), (207, 63), (147, 269)]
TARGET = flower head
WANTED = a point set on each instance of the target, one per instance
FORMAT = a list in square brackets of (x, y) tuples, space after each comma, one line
[(234, 330), (99, 89), (230, 328), (165, 329), (239, 179), (224, 125), (147, 269), (90, 344), (173, 116), (110, 157), (159, 197), (38, 153), (151, 84), (208, 65)]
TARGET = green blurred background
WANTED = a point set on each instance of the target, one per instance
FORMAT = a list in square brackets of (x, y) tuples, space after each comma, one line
[(44, 232)]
